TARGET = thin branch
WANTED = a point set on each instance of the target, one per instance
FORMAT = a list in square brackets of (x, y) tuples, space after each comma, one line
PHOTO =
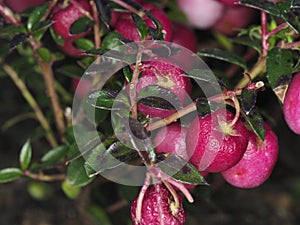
[(276, 30), (31, 101), (44, 177), (8, 15), (264, 37)]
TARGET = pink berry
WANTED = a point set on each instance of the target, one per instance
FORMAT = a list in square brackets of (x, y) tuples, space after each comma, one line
[(158, 208), (201, 13), (230, 2), (291, 104), (69, 48), (19, 6), (83, 89), (64, 18), (257, 163), (127, 28), (215, 146), (233, 19), (185, 36), (168, 76)]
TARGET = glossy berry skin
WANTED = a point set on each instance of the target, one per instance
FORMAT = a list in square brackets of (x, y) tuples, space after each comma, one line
[(213, 148), (257, 163), (127, 27), (64, 18), (230, 2), (152, 203), (185, 36), (291, 105), (234, 18), (20, 5), (168, 76), (171, 139), (201, 14)]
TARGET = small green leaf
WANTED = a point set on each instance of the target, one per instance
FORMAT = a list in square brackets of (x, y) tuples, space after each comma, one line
[(55, 155), (256, 122), (223, 55), (39, 191), (204, 107), (279, 66), (57, 38), (9, 174), (127, 73), (140, 25), (246, 41), (76, 173), (265, 5), (84, 44), (248, 99), (71, 70), (111, 40), (99, 215), (45, 54), (36, 16), (17, 40), (70, 191), (157, 23), (25, 155), (181, 170), (81, 25)]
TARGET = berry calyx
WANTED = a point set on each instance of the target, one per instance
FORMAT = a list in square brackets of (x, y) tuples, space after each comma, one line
[(214, 144), (158, 208), (291, 104), (257, 163)]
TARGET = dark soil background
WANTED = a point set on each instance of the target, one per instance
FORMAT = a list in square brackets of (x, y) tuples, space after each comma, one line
[(276, 202)]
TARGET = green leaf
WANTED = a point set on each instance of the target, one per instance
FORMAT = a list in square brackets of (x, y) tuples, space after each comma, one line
[(140, 25), (104, 9), (55, 155), (203, 74), (256, 122), (70, 191), (45, 54), (81, 25), (57, 38), (106, 98), (111, 40), (248, 99), (9, 174), (181, 171), (25, 155), (84, 43), (223, 55), (279, 66), (36, 16), (9, 31), (246, 41), (127, 73), (41, 29), (17, 40), (76, 173), (99, 215), (71, 70), (204, 107), (157, 23), (265, 5)]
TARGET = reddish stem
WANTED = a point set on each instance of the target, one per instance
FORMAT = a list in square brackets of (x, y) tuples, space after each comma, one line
[(9, 15), (264, 38), (276, 30)]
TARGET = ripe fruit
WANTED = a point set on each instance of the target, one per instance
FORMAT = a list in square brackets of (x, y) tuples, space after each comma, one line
[(257, 163), (230, 2), (185, 37), (83, 89), (201, 13), (157, 207), (168, 76), (64, 18), (127, 27), (291, 104), (234, 18), (214, 146), (19, 6)]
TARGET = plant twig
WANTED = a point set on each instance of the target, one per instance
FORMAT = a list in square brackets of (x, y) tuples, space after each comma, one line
[(43, 177), (97, 38), (31, 101), (264, 37), (8, 15), (276, 30)]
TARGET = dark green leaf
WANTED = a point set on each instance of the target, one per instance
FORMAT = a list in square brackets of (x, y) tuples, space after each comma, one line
[(157, 23), (223, 55), (155, 34), (134, 4), (99, 215), (36, 16), (265, 5), (8, 32), (181, 170), (57, 38), (295, 4), (84, 43), (104, 9), (137, 129), (17, 40), (81, 25), (127, 73), (248, 99), (204, 107), (111, 40), (256, 123), (290, 15), (70, 190), (106, 98), (71, 70), (9, 174), (76, 173), (279, 66), (25, 155), (55, 155), (158, 97), (140, 25), (203, 74), (45, 54), (255, 44), (39, 32)]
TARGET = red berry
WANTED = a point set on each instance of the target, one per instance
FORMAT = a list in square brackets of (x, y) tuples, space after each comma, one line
[(234, 19), (291, 104), (201, 13), (257, 163), (64, 18), (69, 48), (158, 208), (127, 28), (208, 149), (82, 90), (230, 2), (168, 76), (185, 36), (19, 6), (171, 139)]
